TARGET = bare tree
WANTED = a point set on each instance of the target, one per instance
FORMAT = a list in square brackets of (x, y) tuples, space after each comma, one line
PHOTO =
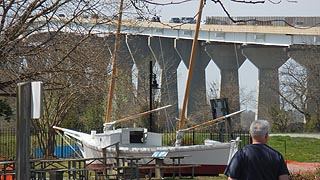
[(53, 42), (299, 85)]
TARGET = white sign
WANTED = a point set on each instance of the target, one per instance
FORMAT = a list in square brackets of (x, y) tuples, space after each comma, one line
[(36, 100), (160, 154)]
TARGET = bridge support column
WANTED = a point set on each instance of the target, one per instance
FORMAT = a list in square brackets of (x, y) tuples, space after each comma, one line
[(124, 74), (138, 46), (308, 56), (197, 103), (228, 58), (169, 62), (123, 85), (267, 60)]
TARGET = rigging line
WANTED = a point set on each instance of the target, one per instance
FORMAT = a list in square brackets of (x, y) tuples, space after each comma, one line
[(166, 81), (65, 140)]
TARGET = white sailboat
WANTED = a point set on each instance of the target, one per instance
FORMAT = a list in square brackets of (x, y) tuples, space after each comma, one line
[(212, 156)]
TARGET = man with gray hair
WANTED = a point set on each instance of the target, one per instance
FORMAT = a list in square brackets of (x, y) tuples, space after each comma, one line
[(257, 161)]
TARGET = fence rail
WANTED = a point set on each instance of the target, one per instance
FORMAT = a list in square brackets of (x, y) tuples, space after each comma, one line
[(63, 150)]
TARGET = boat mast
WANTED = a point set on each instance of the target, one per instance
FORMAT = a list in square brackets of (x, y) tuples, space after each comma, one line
[(114, 63), (193, 51)]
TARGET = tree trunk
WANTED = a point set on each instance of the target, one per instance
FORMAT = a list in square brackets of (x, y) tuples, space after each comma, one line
[(50, 145)]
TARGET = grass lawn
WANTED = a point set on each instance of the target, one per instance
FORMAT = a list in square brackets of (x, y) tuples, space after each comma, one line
[(297, 149)]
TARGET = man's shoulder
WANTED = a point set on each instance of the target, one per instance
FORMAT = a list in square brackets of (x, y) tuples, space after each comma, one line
[(255, 147), (258, 148)]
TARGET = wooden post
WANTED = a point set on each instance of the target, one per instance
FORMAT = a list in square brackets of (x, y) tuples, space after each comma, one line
[(104, 152)]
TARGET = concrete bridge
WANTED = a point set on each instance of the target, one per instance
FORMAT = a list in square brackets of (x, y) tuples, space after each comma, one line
[(267, 47)]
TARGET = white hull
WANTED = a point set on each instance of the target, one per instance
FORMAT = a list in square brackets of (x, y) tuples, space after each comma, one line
[(217, 154), (213, 156)]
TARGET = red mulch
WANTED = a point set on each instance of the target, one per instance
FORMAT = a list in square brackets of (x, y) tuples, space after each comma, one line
[(298, 167)]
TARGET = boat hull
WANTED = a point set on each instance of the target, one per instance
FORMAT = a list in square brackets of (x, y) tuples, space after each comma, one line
[(203, 170), (209, 159)]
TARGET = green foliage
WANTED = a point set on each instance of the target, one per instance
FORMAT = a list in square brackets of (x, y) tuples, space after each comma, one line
[(280, 120), (87, 115), (312, 124), (94, 116), (297, 149)]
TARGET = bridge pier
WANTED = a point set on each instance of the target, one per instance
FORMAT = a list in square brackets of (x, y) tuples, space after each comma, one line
[(268, 60), (138, 46), (197, 102), (308, 57), (124, 72), (229, 59), (168, 60)]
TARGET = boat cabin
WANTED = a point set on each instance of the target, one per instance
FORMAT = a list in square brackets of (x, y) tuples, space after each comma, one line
[(127, 137)]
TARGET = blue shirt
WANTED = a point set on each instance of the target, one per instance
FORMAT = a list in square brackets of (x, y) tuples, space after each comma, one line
[(256, 162)]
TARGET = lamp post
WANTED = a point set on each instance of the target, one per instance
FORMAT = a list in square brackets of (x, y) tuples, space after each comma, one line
[(153, 85)]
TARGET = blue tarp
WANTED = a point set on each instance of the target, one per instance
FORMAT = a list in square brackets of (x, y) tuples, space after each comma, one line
[(59, 151)]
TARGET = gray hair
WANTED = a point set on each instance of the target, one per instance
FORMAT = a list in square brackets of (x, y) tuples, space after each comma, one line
[(259, 128)]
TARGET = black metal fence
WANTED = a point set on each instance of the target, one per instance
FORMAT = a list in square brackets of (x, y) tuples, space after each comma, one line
[(7, 143), (8, 146), (63, 149), (199, 136)]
